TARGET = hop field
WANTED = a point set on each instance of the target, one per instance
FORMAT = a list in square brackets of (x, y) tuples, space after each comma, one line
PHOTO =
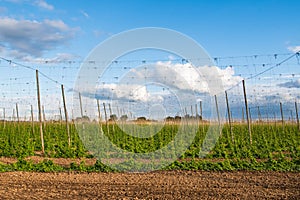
[(274, 147)]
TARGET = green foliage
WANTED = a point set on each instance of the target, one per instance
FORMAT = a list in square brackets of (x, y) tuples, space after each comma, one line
[(19, 140), (273, 148), (23, 165)]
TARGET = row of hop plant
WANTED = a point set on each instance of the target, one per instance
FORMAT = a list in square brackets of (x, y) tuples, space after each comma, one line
[(20, 140)]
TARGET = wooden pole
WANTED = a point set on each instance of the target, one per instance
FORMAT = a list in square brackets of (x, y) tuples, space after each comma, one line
[(32, 120), (250, 116), (282, 118), (247, 112), (72, 117), (118, 112), (259, 114), (192, 113), (80, 102), (105, 115), (218, 114), (196, 109), (229, 116), (17, 111), (66, 114), (40, 111), (14, 116), (201, 113), (111, 117), (185, 114), (99, 114), (110, 111), (297, 116)]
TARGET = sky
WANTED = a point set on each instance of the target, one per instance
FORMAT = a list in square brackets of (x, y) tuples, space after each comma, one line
[(35, 31), (223, 28)]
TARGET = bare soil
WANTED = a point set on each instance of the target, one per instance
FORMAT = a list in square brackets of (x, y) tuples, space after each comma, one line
[(151, 185)]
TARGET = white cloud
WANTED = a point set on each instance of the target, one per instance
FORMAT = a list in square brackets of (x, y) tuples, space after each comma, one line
[(37, 3), (124, 92), (173, 86), (290, 84), (294, 49), (59, 57), (265, 94), (30, 37), (85, 14), (178, 78), (199, 79), (43, 4), (56, 24)]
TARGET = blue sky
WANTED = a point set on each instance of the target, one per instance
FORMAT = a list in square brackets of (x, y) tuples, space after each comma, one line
[(35, 31), (223, 28)]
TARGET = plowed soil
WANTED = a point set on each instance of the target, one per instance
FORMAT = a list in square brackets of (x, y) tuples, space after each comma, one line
[(152, 185)]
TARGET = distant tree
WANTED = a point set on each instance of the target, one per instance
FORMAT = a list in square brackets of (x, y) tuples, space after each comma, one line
[(168, 119), (113, 117), (177, 118), (123, 117), (141, 119), (199, 117), (83, 119)]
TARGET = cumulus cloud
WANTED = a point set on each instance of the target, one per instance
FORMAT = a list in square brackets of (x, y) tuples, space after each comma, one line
[(170, 85), (290, 84), (294, 49), (265, 94), (43, 4), (200, 79), (59, 57), (34, 37), (38, 3), (114, 91), (275, 97), (229, 79), (182, 79), (122, 92)]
